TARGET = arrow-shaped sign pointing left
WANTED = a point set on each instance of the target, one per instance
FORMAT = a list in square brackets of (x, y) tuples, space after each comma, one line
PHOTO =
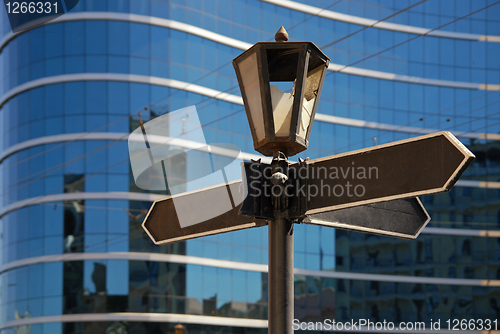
[(163, 225)]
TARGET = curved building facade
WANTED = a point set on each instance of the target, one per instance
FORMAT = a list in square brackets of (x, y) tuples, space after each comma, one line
[(74, 257)]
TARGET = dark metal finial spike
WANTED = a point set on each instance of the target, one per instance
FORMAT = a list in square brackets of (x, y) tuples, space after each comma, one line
[(281, 35)]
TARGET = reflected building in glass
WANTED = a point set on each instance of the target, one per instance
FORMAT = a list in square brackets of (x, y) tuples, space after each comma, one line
[(74, 257)]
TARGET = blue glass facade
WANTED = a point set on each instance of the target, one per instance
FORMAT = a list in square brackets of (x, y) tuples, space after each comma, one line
[(73, 255)]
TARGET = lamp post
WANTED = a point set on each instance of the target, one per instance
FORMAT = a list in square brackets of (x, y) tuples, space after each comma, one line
[(280, 123)]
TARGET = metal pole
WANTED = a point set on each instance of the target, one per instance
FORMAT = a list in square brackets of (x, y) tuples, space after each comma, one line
[(280, 255), (280, 276)]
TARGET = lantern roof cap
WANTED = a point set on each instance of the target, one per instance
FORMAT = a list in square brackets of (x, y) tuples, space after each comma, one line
[(281, 45)]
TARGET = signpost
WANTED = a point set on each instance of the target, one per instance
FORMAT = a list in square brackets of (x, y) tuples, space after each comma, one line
[(403, 218), (372, 182), (370, 190)]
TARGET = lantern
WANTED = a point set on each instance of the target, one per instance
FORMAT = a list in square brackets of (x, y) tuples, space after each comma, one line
[(280, 83)]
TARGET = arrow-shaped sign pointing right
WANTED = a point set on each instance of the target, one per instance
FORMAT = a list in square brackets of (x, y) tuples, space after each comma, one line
[(401, 218), (408, 168)]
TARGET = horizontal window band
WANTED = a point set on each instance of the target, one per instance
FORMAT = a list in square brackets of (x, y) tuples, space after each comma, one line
[(461, 232), (196, 89), (113, 195), (187, 319), (328, 14), (218, 38), (135, 78), (400, 128), (143, 196), (139, 317), (136, 18), (409, 79), (119, 136), (129, 196), (244, 266), (478, 184)]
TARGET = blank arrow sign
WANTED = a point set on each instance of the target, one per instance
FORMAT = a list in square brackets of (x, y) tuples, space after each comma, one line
[(408, 168), (162, 221), (401, 218)]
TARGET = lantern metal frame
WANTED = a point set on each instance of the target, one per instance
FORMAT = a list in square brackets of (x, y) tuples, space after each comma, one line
[(309, 56)]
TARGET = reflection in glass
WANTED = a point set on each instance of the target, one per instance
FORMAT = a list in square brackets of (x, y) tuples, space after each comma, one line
[(73, 214)]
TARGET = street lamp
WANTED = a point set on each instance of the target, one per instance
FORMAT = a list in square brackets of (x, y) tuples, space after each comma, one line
[(281, 123), (179, 329), (281, 120)]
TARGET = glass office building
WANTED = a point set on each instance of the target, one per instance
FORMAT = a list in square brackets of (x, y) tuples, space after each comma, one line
[(74, 257)]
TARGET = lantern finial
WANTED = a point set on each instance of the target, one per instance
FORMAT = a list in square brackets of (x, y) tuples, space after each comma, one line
[(281, 35)]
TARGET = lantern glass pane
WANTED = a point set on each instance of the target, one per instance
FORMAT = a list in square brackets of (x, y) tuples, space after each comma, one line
[(251, 87), (311, 88), (282, 102)]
